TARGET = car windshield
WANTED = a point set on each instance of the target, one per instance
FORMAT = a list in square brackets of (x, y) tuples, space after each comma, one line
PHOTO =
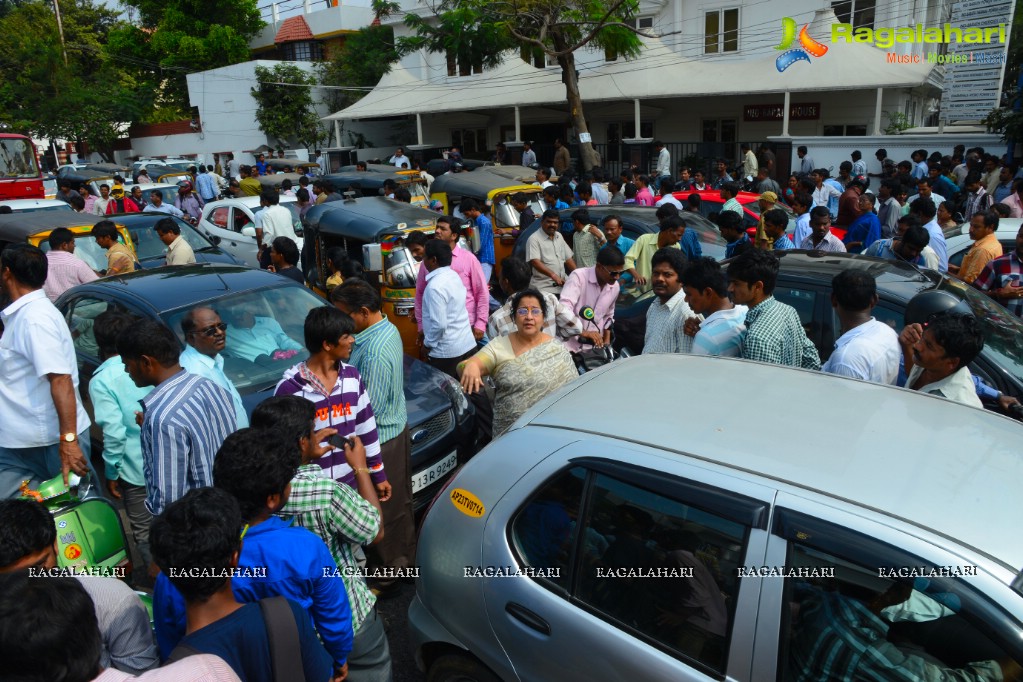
[(17, 159), (148, 244), (1003, 331), (44, 207), (264, 332)]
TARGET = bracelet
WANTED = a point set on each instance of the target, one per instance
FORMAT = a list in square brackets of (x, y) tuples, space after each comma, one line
[(360, 470)]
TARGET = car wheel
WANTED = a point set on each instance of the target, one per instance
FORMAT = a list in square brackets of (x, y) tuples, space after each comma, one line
[(459, 668)]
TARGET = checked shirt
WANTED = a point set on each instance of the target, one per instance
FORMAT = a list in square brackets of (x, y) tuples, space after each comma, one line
[(774, 334)]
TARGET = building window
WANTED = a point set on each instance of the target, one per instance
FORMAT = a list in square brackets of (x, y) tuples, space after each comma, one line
[(643, 23), (721, 31), (463, 67), (859, 13), (306, 51), (470, 141), (849, 130)]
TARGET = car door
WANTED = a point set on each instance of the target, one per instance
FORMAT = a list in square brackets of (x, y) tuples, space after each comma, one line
[(220, 221), (852, 603), (631, 561), (813, 304)]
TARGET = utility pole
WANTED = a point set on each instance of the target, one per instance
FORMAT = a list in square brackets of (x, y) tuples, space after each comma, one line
[(60, 29)]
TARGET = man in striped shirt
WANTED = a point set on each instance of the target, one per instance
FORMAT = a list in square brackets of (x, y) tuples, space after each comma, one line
[(820, 238), (185, 419), (336, 390), (706, 288)]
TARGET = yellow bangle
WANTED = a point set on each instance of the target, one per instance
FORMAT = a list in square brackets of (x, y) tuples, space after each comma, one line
[(360, 470)]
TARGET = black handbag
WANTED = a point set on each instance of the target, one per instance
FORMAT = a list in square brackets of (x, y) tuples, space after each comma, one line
[(592, 358)]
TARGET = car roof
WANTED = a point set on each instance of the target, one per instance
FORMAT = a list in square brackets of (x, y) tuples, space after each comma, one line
[(478, 183), (372, 180), (146, 186), (20, 226), (189, 284), (248, 201), (366, 218), (25, 204), (900, 279), (937, 464)]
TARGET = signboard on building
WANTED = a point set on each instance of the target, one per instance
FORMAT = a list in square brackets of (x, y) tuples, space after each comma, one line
[(806, 111), (973, 84)]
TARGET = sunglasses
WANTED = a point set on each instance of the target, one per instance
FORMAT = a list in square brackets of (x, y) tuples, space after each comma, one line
[(614, 274), (522, 312), (212, 330)]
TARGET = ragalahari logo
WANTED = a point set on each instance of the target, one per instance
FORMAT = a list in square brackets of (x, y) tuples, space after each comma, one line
[(800, 54)]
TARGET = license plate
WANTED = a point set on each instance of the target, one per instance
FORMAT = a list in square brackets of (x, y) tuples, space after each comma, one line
[(434, 473)]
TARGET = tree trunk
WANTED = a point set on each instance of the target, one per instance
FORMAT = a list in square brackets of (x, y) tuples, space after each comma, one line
[(587, 153)]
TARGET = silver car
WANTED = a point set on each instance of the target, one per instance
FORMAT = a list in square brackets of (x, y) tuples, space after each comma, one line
[(231, 223), (692, 518)]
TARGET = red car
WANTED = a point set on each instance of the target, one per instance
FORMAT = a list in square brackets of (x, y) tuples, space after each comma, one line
[(711, 202)]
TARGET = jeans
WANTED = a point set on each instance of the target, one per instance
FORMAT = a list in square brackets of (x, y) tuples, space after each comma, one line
[(370, 660), (139, 517), (39, 464)]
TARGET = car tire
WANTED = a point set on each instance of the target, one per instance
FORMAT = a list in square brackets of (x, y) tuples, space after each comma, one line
[(459, 668)]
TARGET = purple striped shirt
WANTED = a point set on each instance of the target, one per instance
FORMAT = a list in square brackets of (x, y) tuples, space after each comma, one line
[(346, 408)]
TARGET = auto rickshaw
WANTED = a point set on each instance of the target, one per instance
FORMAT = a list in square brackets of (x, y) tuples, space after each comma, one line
[(35, 228), (109, 168), (277, 179), (493, 192), (164, 174), (92, 178), (371, 183), (296, 165), (371, 230)]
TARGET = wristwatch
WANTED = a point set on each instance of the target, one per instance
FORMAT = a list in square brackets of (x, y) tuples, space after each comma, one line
[(69, 437)]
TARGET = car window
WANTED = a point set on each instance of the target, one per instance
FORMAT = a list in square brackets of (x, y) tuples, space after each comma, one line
[(241, 219), (805, 303), (264, 332), (148, 244), (86, 249), (218, 216), (870, 616), (1003, 331), (956, 259), (81, 319), (651, 565)]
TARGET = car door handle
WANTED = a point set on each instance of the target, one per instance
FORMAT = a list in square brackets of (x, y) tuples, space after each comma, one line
[(527, 617)]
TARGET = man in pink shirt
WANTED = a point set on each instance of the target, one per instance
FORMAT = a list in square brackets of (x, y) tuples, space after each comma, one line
[(63, 269), (591, 293), (644, 197), (477, 294)]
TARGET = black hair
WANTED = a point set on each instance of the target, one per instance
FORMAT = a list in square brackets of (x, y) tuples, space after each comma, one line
[(801, 148), (609, 217), (1002, 210), (526, 293), (201, 530), (959, 334), (891, 185), (151, 338), (76, 203), (468, 204), (672, 222), (731, 187), (925, 181), (26, 527), (631, 190), (675, 259), (287, 247), (48, 629), (610, 256), (270, 196), (582, 215), (416, 238), (104, 228), (665, 211), (775, 217), (325, 324), (584, 188), (517, 272), (290, 416), (804, 199), (854, 289), (845, 165), (254, 464), (357, 294), (706, 273), (693, 201), (819, 212), (755, 265), (729, 220), (916, 235), (351, 269), (165, 225), (435, 248), (59, 237), (923, 207), (156, 193), (972, 177), (302, 194), (550, 213), (188, 319), (991, 218), (519, 198), (107, 326), (544, 171), (337, 256), (403, 195), (856, 156)]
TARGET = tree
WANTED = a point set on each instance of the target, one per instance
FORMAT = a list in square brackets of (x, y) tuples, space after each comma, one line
[(363, 60), (285, 104), (481, 32), (175, 37), (88, 98)]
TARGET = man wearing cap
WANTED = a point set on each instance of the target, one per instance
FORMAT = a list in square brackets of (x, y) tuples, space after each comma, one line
[(767, 200), (188, 202), (120, 203)]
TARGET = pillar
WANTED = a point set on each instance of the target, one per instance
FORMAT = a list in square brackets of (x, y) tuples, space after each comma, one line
[(877, 112), (785, 114)]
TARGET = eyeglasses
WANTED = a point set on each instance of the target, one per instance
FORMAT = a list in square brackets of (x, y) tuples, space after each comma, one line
[(522, 312), (212, 330), (614, 274)]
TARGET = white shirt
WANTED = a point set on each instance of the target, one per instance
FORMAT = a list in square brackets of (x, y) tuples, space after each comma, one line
[(446, 327), (829, 243), (100, 207), (276, 221), (822, 194), (36, 342), (398, 160), (669, 199), (664, 325), (195, 362), (663, 162), (869, 351), (528, 157), (957, 386)]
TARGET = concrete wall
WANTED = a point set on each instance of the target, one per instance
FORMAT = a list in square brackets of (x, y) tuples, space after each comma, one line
[(831, 151)]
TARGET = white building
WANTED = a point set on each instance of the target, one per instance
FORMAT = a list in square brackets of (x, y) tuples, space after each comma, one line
[(710, 78)]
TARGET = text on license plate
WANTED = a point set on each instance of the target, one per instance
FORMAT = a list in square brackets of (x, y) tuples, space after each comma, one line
[(434, 473)]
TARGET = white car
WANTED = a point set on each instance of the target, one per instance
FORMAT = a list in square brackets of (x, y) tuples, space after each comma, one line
[(958, 242), (30, 205), (233, 222)]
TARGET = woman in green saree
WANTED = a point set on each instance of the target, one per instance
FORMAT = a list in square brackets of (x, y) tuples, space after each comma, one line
[(526, 365)]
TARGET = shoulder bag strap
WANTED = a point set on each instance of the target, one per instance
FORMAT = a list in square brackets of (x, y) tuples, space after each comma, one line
[(282, 631)]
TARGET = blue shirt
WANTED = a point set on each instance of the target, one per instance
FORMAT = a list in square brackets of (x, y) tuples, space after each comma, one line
[(883, 248), (833, 201), (732, 246), (486, 233), (187, 418), (623, 243), (298, 566), (263, 338), (241, 639), (866, 229), (115, 400), (690, 245), (803, 228), (783, 243), (206, 186), (195, 362), (261, 167)]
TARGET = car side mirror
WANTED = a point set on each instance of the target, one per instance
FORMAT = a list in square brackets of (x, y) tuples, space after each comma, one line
[(213, 238), (249, 231)]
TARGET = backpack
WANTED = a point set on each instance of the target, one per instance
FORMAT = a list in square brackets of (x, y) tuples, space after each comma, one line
[(281, 630)]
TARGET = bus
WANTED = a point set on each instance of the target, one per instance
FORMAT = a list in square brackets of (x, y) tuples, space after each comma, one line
[(20, 177)]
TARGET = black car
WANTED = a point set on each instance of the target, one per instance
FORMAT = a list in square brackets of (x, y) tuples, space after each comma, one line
[(152, 253), (441, 420), (804, 282)]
